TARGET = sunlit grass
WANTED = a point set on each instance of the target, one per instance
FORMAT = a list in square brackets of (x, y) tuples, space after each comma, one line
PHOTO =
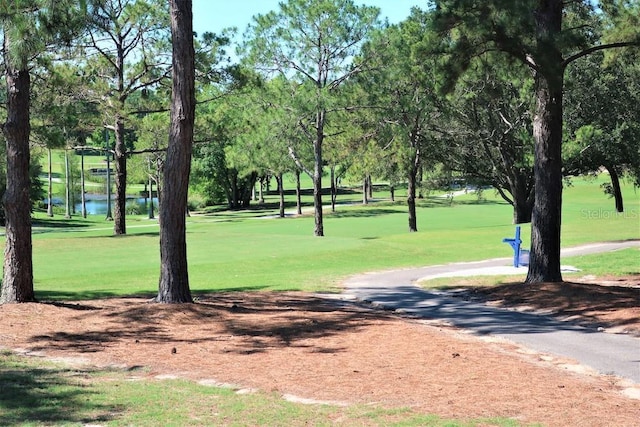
[(227, 250)]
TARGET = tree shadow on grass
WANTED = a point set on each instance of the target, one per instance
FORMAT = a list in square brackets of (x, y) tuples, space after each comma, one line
[(72, 224), (59, 297), (363, 212), (37, 395)]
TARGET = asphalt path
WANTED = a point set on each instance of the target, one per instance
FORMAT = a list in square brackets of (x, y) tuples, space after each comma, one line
[(610, 354)]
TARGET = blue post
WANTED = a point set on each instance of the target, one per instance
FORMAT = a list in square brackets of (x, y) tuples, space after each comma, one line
[(516, 248), (515, 244)]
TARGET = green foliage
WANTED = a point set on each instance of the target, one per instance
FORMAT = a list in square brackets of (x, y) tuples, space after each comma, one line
[(602, 120)]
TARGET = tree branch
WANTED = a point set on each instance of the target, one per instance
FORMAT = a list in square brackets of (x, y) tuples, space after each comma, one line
[(596, 49)]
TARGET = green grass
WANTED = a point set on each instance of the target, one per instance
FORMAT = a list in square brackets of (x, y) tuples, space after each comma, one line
[(34, 393), (617, 263), (80, 258)]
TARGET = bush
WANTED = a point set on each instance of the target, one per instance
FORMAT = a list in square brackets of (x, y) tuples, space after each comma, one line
[(136, 208), (196, 202)]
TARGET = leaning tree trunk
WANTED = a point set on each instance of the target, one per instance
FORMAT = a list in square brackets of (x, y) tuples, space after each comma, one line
[(544, 261), (17, 281), (615, 187), (174, 277)]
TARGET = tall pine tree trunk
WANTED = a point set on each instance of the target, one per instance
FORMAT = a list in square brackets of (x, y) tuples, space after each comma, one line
[(317, 174), (49, 186), (174, 277), (17, 281), (298, 193), (120, 158), (544, 261)]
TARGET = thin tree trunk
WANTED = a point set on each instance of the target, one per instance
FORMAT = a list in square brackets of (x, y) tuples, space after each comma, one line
[(83, 196), (17, 281), (298, 193), (67, 186), (151, 213), (261, 191), (280, 181), (174, 278), (50, 187), (334, 189), (109, 216), (411, 198), (317, 174), (365, 191)]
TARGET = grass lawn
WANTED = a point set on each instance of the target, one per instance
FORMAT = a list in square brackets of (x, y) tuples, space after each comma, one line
[(80, 258)]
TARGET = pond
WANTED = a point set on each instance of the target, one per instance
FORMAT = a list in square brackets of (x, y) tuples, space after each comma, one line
[(97, 204)]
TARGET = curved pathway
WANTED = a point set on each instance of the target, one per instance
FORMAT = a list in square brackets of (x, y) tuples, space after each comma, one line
[(607, 353)]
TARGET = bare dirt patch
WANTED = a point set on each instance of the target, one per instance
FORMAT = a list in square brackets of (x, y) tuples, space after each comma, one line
[(310, 347)]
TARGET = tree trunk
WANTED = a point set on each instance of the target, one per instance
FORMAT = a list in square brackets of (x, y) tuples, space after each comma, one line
[(280, 181), (615, 187), (317, 174), (174, 277), (544, 260), (523, 198), (522, 208), (67, 186), (109, 216), (261, 191), (83, 197), (334, 192), (392, 191), (17, 281), (365, 191), (119, 208), (50, 187), (151, 213), (298, 194), (411, 198)]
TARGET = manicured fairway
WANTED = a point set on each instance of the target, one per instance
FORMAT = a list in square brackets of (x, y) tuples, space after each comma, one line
[(240, 250)]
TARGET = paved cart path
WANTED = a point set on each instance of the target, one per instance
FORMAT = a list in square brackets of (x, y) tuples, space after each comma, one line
[(616, 354)]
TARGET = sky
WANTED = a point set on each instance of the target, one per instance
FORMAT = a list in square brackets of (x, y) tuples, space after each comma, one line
[(214, 15)]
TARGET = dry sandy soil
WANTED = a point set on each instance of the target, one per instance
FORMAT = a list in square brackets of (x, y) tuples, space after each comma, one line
[(316, 348)]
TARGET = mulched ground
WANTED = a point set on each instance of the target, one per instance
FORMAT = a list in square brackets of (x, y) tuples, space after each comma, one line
[(312, 347)]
